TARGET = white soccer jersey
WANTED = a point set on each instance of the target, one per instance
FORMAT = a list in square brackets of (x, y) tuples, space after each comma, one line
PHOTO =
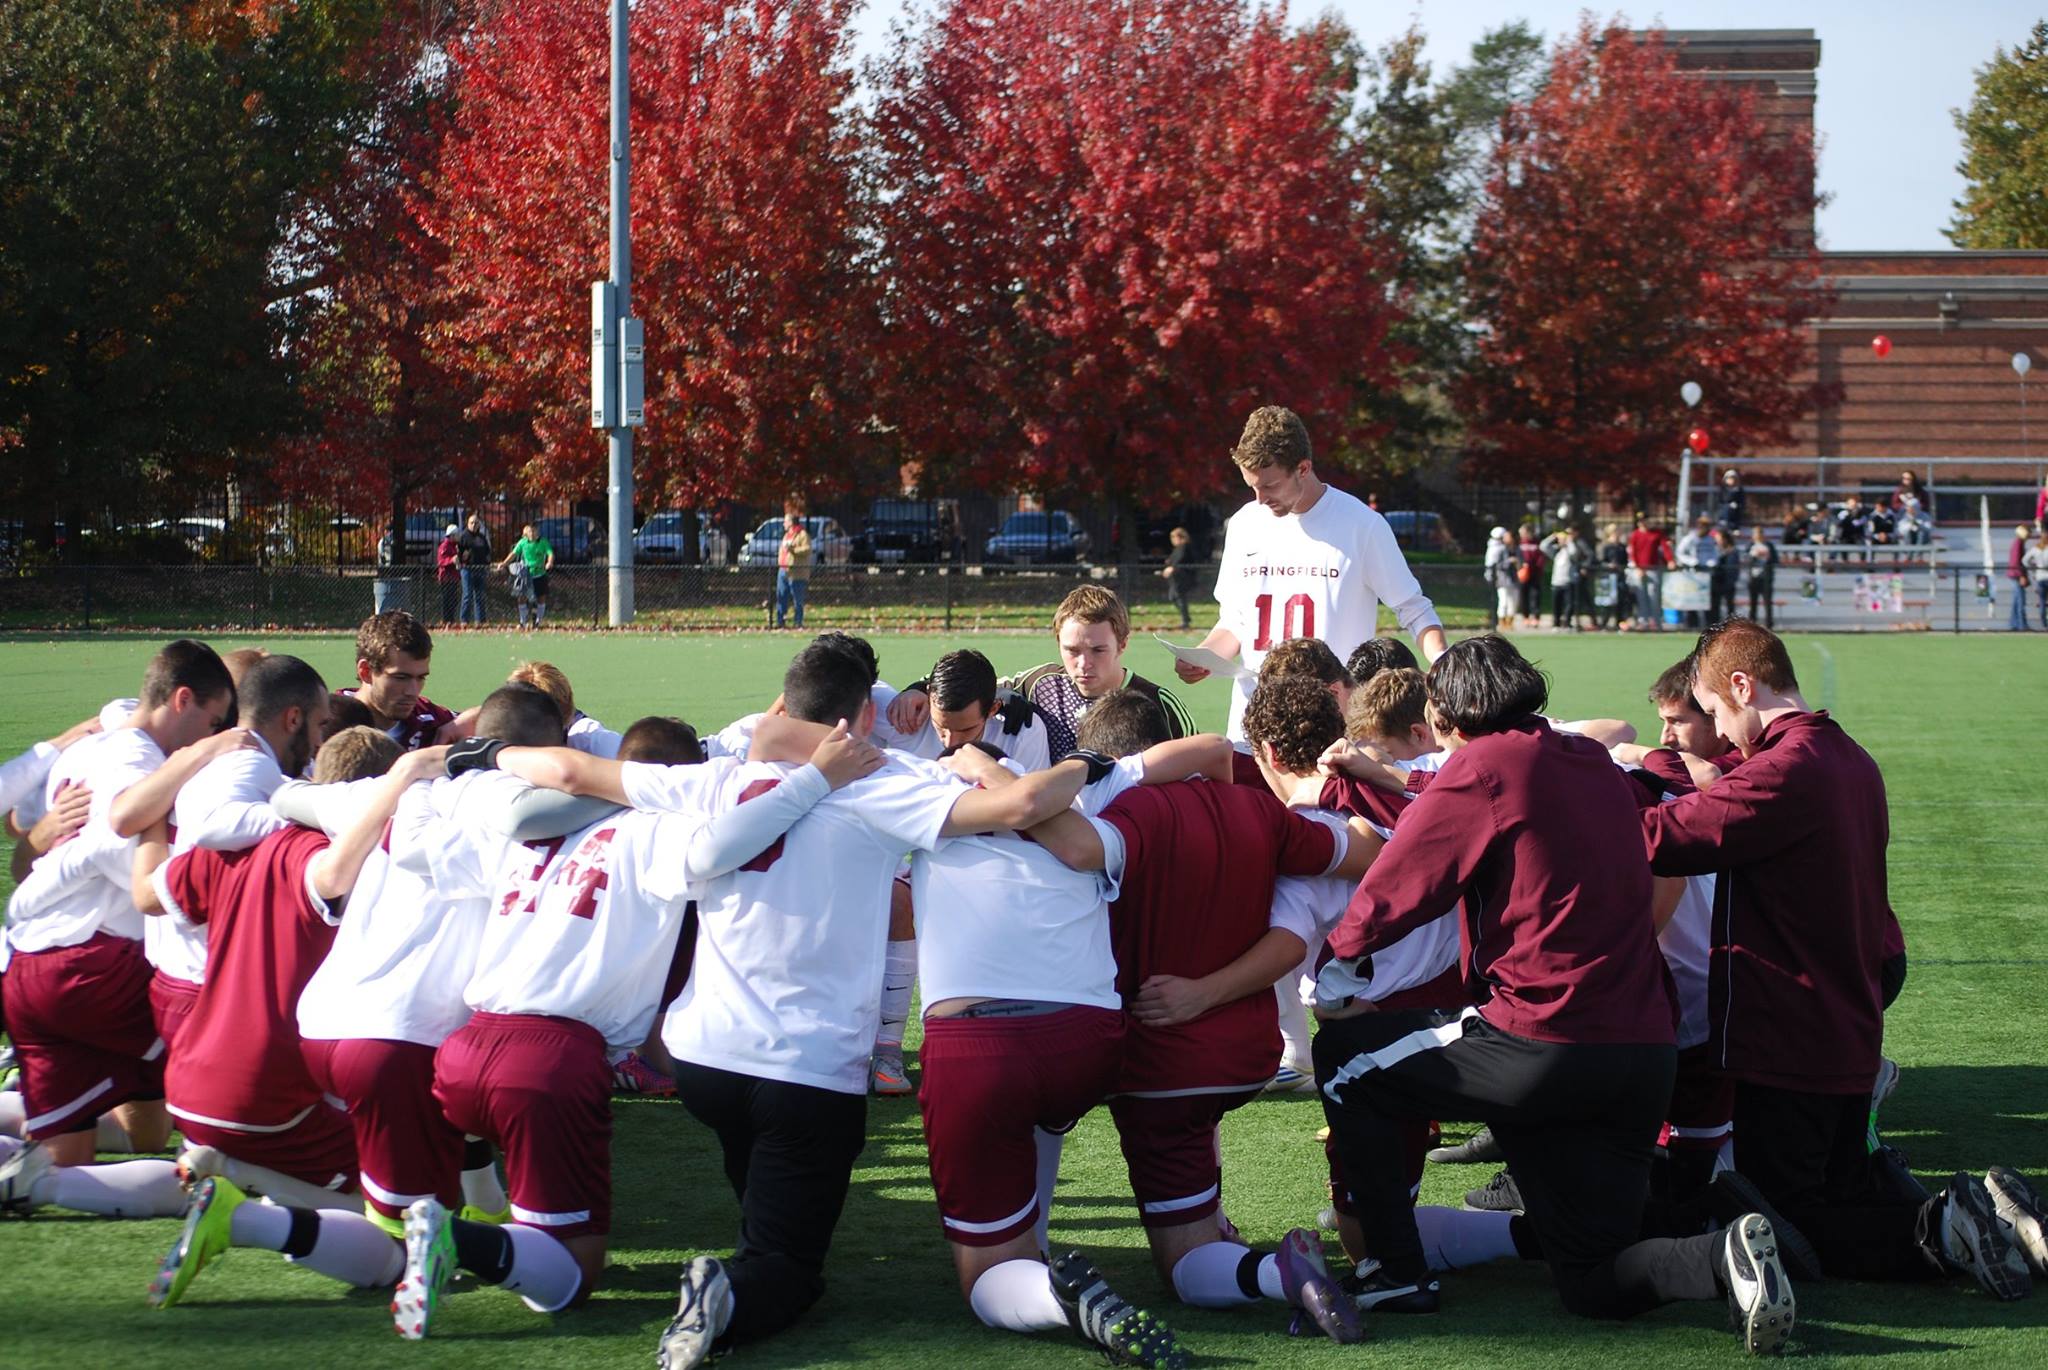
[(1127, 773), (736, 737), (30, 806), (1002, 918), (787, 979), (1030, 746), (92, 893), (1687, 942), (24, 776), (225, 807), (1317, 903), (1319, 574), (586, 734)]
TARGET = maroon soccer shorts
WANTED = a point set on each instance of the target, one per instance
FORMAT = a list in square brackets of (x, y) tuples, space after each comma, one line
[(405, 1150), (987, 1083), (171, 1002), (320, 1148), (1702, 1108), (80, 1020), (1169, 1147), (541, 1088)]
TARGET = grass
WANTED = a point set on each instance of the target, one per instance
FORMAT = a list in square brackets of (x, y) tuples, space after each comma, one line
[(1967, 814)]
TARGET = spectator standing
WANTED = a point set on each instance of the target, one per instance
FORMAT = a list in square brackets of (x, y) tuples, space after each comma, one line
[(1498, 570), (1649, 556), (792, 570), (1760, 562), (1529, 577), (2037, 567), (1178, 574), (1564, 550), (448, 572), (1724, 573), (537, 555), (474, 548), (1698, 552), (1733, 511), (1613, 567), (2016, 572)]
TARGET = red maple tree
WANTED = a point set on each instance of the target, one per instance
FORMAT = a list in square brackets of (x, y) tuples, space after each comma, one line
[(1112, 228), (746, 271), (1641, 228)]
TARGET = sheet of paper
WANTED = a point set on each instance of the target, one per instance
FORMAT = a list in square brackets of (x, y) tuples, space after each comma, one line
[(1203, 658)]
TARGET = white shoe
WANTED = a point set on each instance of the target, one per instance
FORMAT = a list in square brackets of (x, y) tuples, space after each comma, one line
[(1887, 1081), (1288, 1080), (703, 1312), (1760, 1301), (2019, 1208), (1976, 1239), (886, 1075), (429, 1262), (18, 1176)]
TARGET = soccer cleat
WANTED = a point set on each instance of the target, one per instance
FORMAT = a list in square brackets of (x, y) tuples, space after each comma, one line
[(703, 1312), (1887, 1081), (1973, 1239), (632, 1075), (204, 1236), (1306, 1281), (1288, 1080), (1478, 1149), (886, 1075), (429, 1263), (10, 1069), (472, 1214), (1760, 1302), (1732, 1196), (2019, 1208), (1498, 1195), (1372, 1289), (18, 1176), (195, 1163), (1126, 1335)]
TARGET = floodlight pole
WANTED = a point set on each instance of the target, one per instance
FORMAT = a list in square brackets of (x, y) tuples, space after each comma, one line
[(619, 433)]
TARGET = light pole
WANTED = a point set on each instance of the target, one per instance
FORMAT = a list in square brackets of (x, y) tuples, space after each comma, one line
[(617, 374)]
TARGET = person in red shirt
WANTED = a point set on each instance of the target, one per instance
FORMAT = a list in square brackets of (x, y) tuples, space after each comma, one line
[(393, 653), (1567, 1051), (1649, 556), (1802, 930), (239, 1083)]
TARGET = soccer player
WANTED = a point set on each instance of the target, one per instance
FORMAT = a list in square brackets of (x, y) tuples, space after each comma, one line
[(78, 986), (586, 734), (1303, 559), (393, 653), (1568, 1053), (1093, 630), (1798, 833), (1377, 654), (239, 1084)]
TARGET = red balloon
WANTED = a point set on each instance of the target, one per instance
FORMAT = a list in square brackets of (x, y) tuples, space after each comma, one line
[(1882, 346), (1697, 441)]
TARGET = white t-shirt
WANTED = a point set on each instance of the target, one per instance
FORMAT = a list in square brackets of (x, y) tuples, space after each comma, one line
[(225, 807), (1320, 901), (736, 737), (586, 734), (31, 805), (787, 979), (86, 889), (24, 776), (1319, 574), (1030, 746)]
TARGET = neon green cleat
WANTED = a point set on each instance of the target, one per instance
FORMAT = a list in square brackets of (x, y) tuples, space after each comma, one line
[(205, 1236)]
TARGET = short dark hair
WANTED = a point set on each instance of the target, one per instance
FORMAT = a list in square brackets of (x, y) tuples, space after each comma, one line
[(1123, 723), (346, 711), (1484, 685), (1304, 656), (1377, 654), (1674, 686), (186, 665), (277, 683), (859, 648), (962, 678), (665, 741), (383, 636), (825, 683), (1298, 716), (521, 715)]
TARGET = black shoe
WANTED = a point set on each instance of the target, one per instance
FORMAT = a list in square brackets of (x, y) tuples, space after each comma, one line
[(1498, 1195), (1478, 1149), (1733, 1195), (1127, 1335), (1375, 1291)]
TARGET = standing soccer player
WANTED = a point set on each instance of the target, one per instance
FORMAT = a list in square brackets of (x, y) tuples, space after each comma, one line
[(1303, 559)]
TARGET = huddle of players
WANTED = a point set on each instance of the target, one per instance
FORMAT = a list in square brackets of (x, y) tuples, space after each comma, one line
[(474, 971)]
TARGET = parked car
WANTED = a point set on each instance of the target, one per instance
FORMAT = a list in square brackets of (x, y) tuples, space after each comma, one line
[(660, 539), (424, 529), (1038, 536), (576, 539), (830, 545), (1420, 530), (913, 530)]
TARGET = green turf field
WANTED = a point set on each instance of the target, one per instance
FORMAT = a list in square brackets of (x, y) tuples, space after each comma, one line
[(1957, 724)]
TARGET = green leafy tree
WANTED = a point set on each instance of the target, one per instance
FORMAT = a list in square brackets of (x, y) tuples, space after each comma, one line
[(2005, 151)]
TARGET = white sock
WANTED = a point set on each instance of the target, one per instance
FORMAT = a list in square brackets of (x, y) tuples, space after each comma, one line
[(1294, 1039), (1207, 1276), (284, 1189), (1017, 1296), (1453, 1238), (352, 1249), (125, 1189), (264, 1227), (543, 1272), (481, 1188), (1049, 1146), (13, 1114), (899, 973), (109, 1135)]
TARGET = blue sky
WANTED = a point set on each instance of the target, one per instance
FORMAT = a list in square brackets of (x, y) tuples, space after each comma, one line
[(1890, 72)]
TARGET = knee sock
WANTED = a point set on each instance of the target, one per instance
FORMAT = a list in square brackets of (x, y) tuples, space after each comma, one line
[(125, 1189), (1453, 1239), (1225, 1274), (1049, 1147), (524, 1259), (481, 1188), (279, 1188), (13, 1114), (340, 1245), (1294, 1038), (1017, 1296), (899, 973), (109, 1135)]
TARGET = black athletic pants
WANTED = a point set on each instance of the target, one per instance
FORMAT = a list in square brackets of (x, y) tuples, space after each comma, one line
[(1807, 1153), (1578, 1124), (789, 1153)]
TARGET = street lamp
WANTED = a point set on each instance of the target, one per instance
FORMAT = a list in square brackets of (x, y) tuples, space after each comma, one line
[(617, 348)]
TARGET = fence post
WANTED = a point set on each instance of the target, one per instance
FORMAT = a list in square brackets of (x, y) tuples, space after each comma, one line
[(946, 572), (88, 596), (1956, 580)]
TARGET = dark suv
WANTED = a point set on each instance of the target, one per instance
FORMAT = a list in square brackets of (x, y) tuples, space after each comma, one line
[(912, 530)]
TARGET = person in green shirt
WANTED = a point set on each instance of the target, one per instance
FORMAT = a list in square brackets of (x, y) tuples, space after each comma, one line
[(537, 556)]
